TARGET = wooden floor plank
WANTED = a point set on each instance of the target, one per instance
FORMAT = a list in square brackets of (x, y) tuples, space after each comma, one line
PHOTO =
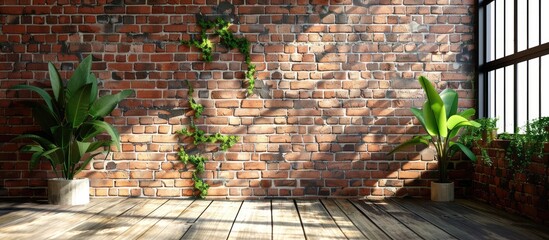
[(215, 222), (116, 226), (286, 222), (6, 204), (486, 224), (253, 221), (414, 222), (166, 229), (317, 222), (6, 207), (365, 225), (341, 219), (69, 219), (193, 212), (174, 224), (456, 226), (321, 219), (35, 229), (140, 228), (90, 225), (507, 219), (392, 227), (27, 212)]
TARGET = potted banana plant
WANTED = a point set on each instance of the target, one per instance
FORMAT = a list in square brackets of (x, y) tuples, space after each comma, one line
[(70, 119), (442, 123)]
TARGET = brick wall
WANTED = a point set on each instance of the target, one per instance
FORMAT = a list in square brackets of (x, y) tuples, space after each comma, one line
[(335, 83), (523, 193)]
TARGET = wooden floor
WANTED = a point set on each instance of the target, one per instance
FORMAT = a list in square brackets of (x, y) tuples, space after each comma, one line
[(263, 219)]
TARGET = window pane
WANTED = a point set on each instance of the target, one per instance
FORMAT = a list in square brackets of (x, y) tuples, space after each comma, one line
[(499, 97), (522, 93), (509, 99), (492, 95), (522, 10), (533, 88), (519, 92), (491, 32), (544, 19), (544, 64), (509, 27), (533, 23), (500, 30)]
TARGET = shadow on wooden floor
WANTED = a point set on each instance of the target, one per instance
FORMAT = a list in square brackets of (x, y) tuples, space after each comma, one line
[(135, 218)]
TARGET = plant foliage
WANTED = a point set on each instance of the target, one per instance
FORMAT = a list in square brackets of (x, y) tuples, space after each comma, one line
[(199, 163), (220, 27), (525, 146), (442, 122), (70, 119), (480, 137), (199, 137)]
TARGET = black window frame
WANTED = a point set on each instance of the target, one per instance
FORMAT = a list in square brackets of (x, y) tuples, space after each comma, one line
[(484, 67)]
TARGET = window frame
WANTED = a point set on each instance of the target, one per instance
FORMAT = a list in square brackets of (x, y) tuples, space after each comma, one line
[(484, 67)]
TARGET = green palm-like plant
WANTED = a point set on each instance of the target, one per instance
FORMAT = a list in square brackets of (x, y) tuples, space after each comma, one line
[(70, 119), (442, 122)]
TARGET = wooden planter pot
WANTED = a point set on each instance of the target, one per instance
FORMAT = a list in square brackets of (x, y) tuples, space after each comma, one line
[(442, 192), (68, 192)]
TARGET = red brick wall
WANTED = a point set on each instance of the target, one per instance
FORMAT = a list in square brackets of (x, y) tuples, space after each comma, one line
[(522, 193), (336, 80)]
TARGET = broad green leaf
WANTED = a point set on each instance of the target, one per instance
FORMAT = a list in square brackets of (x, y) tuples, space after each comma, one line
[(417, 140), (460, 125), (97, 144), (110, 130), (459, 121), (466, 150), (79, 77), (31, 148), (52, 154), (83, 147), (35, 158), (467, 113), (45, 118), (37, 151), (74, 154), (45, 96), (436, 108), (454, 132), (87, 131), (62, 136), (475, 123), (43, 141), (455, 120), (419, 115), (94, 90), (56, 83), (430, 120), (105, 104), (450, 99), (469, 123), (55, 156), (78, 106)]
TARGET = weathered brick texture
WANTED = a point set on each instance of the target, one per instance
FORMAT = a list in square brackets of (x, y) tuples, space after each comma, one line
[(523, 193), (336, 79)]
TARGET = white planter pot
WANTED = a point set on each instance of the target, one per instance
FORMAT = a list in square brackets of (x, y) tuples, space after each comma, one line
[(442, 192), (68, 192)]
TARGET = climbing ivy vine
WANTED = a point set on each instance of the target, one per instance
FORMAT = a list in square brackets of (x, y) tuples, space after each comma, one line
[(200, 137), (220, 27)]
